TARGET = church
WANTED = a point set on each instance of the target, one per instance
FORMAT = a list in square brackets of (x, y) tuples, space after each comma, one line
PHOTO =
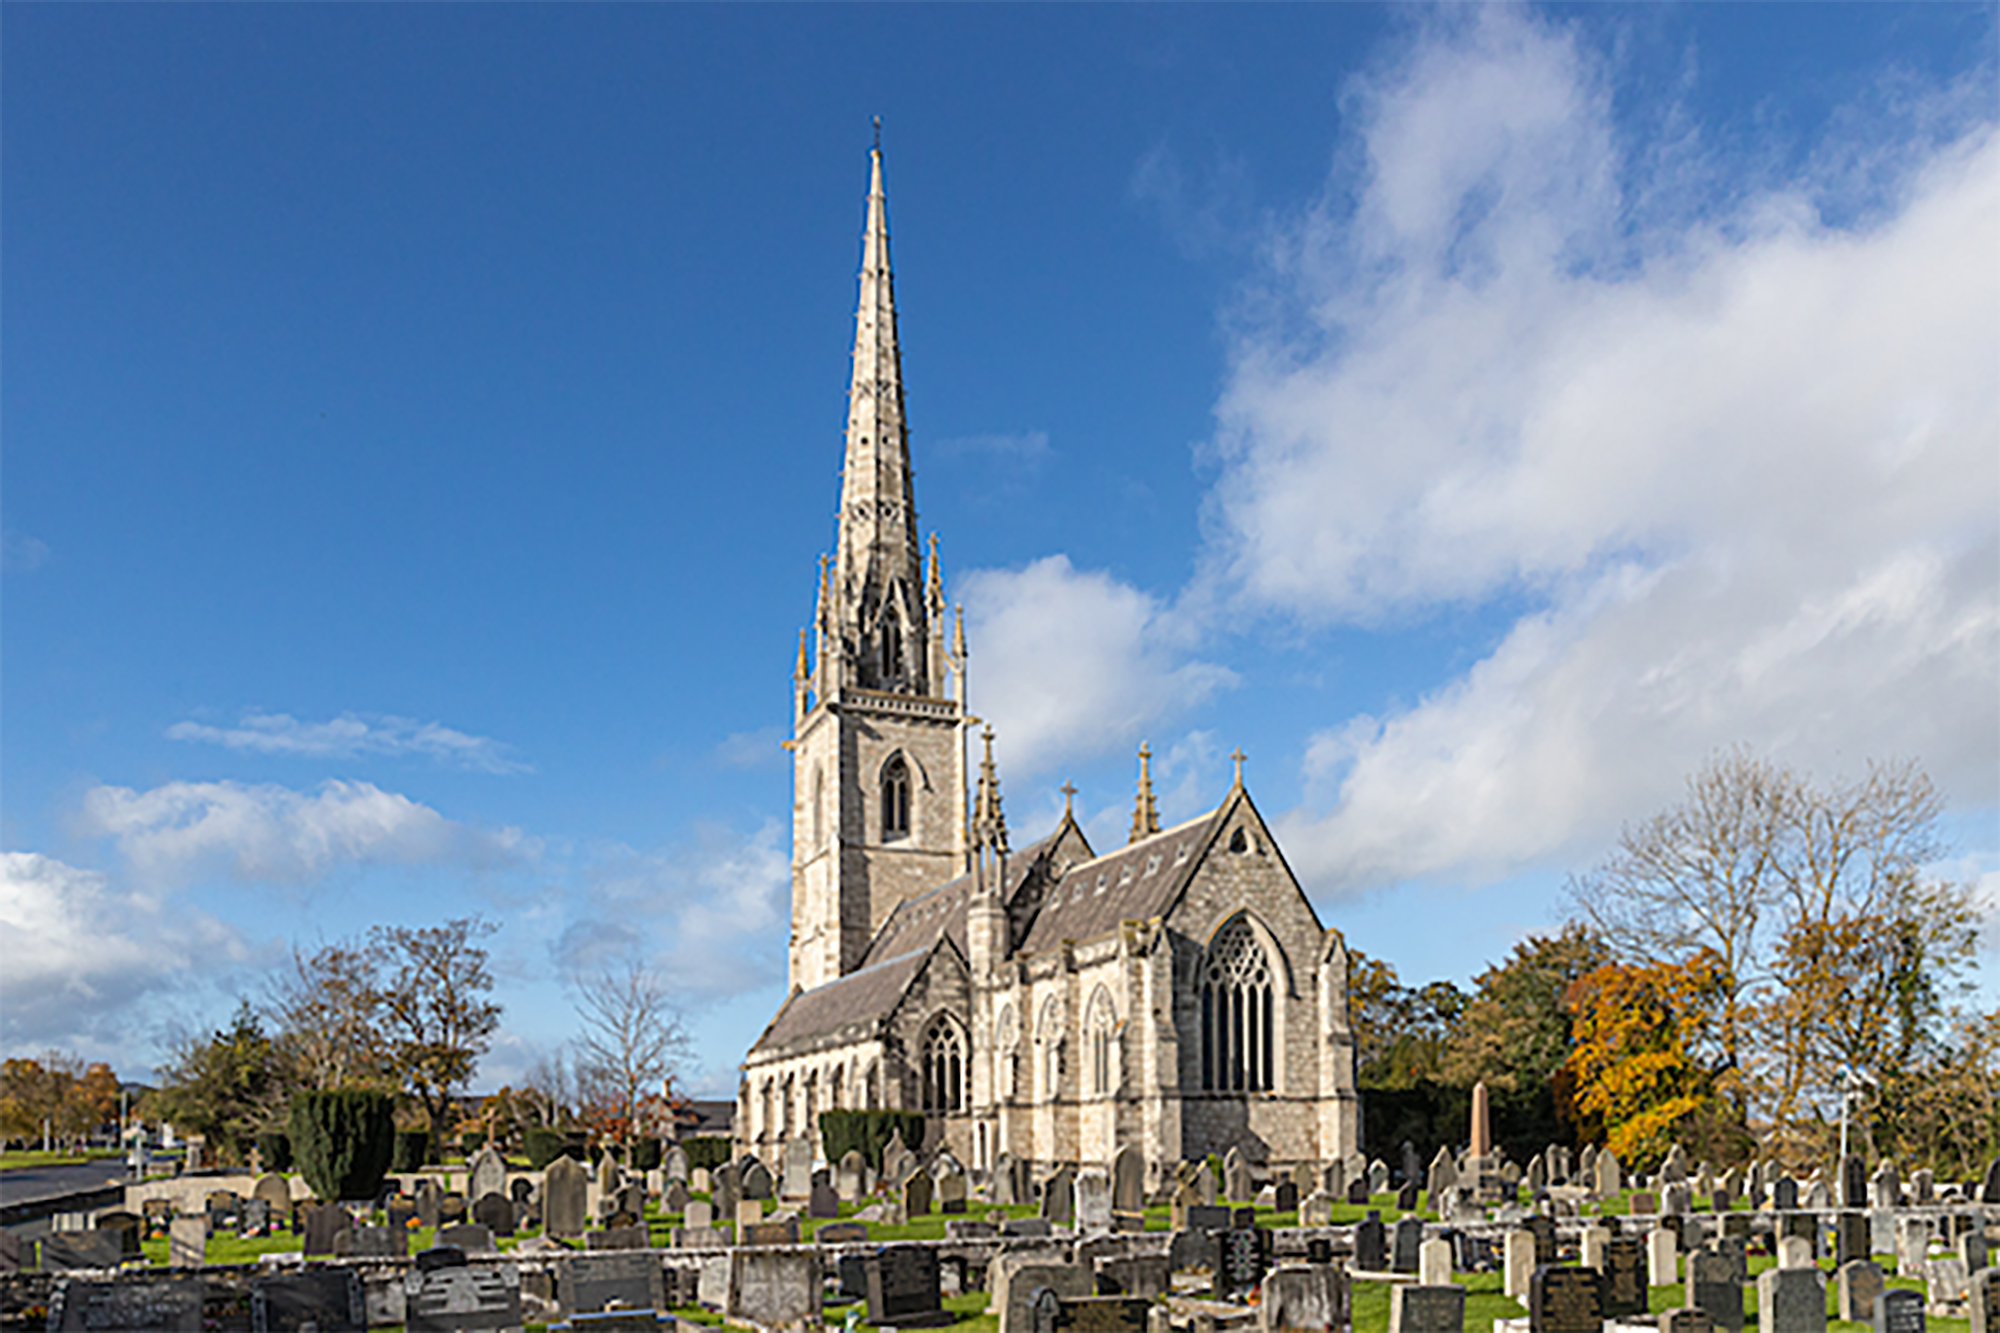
[(1045, 1001)]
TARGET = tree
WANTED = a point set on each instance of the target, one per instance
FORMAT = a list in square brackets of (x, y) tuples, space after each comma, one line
[(1638, 1085), (1399, 1032), (328, 1005), (227, 1087), (436, 1019), (38, 1093), (344, 1140), (632, 1041)]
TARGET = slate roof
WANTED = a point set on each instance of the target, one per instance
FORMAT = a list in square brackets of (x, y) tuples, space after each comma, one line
[(917, 922), (860, 999), (1136, 882)]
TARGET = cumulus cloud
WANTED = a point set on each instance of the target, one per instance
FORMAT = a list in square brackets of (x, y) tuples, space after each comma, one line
[(351, 735), (82, 954), (272, 834), (1068, 663), (712, 914), (1742, 469)]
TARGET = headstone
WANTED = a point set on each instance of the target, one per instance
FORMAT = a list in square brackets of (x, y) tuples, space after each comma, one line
[(917, 1194), (445, 1300), (1371, 1245), (1537, 1175), (723, 1196), (897, 1160), (1378, 1176), (1851, 1238), (402, 1213), (495, 1212), (1785, 1194), (1405, 1239), (1663, 1257), (427, 1195), (1898, 1310), (1853, 1179), (187, 1242), (1443, 1176), (1645, 1203), (841, 1233), (1128, 1180), (1236, 1177), (951, 1192), (1713, 1286), (1406, 1197), (564, 1193), (324, 1223), (1316, 1210), (700, 1180), (1093, 1200), (850, 1177), (1518, 1264), (823, 1202), (321, 1299), (274, 1191), (1246, 1252), (1972, 1248), (749, 1213), (172, 1304), (674, 1197), (1984, 1303), (783, 1230), (1945, 1281), (754, 1180), (1817, 1196), (1565, 1300), (378, 1243), (1015, 1281), (1856, 1285), (1625, 1277), (1912, 1244), (588, 1283), (775, 1288), (1434, 1262), (902, 1287), (1885, 1187), (487, 1173), (1309, 1297), (1687, 1319), (1607, 1174), (1059, 1197), (674, 1165), (1426, 1309), (1796, 1252)]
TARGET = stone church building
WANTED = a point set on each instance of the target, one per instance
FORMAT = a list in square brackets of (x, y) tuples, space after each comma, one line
[(1046, 1001)]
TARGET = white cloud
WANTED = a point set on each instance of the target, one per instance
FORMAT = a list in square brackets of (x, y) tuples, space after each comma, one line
[(273, 834), (351, 735), (1744, 468), (1067, 663), (81, 953)]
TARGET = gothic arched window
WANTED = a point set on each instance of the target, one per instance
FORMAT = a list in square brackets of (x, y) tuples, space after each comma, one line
[(1048, 1031), (895, 799), (1103, 1025), (1238, 1035), (944, 1068), (892, 650)]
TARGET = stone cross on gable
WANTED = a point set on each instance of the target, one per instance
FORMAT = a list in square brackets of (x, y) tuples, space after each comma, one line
[(1238, 755)]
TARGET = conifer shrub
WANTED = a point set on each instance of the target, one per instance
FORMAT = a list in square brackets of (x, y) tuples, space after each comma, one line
[(544, 1146), (646, 1155), (708, 1150), (413, 1149), (868, 1132), (274, 1146), (343, 1141)]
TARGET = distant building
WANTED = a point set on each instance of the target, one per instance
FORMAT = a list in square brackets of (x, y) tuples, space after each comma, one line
[(1047, 1002)]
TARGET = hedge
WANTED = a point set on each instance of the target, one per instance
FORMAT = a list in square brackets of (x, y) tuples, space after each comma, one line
[(343, 1141), (413, 1149), (867, 1132), (274, 1149), (646, 1155), (708, 1150)]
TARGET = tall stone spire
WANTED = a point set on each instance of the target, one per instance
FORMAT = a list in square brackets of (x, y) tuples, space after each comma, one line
[(1145, 815), (881, 604)]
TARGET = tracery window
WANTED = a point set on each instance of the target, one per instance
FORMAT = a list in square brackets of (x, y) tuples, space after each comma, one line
[(944, 1068), (1103, 1025), (1238, 1036), (895, 799), (1048, 1031)]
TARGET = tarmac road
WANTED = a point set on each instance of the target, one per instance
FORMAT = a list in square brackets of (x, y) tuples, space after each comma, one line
[(30, 1183)]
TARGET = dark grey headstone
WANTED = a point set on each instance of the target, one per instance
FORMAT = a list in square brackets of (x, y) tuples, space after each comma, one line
[(82, 1249), (446, 1300), (1059, 1197), (1853, 1182), (1544, 1228), (495, 1212), (824, 1200), (1566, 1300), (1407, 1239), (172, 1304), (1852, 1237), (841, 1233), (378, 1243), (1985, 1301), (1371, 1244), (323, 1299), (903, 1288), (428, 1197), (1687, 1319), (1791, 1300), (587, 1283), (630, 1238), (853, 1276), (1712, 1285), (1899, 1310), (1246, 1253), (1414, 1309), (1784, 1194), (1406, 1197), (1625, 1291), (1357, 1191), (1025, 1226), (469, 1237), (1857, 1283), (1208, 1217), (1094, 1314)]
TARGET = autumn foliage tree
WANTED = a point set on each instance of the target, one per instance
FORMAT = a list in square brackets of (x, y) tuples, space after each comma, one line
[(57, 1090)]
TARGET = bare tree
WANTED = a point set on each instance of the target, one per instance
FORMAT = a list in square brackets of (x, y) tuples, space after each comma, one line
[(632, 1041), (327, 1007), (435, 1014)]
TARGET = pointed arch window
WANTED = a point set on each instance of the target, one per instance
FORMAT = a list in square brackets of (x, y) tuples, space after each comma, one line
[(1103, 1037), (892, 651), (1238, 1034), (895, 799), (944, 1068)]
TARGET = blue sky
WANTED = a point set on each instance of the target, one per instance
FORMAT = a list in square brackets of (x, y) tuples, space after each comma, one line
[(421, 424)]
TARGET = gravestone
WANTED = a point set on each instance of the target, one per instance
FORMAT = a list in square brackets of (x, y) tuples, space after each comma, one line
[(378, 1243), (1912, 1241), (1537, 1175), (1853, 1178), (1898, 1310), (495, 1212), (1791, 1300), (1687, 1319), (487, 1173), (1712, 1285), (1856, 1285), (1795, 1252), (1443, 1176), (897, 1160), (1544, 1228), (1885, 1187), (428, 1195), (588, 1283), (256, 1216), (1565, 1300), (1624, 1271), (795, 1170), (1378, 1176), (1852, 1239), (1093, 1200), (698, 1213), (466, 1238), (774, 1288), (917, 1194), (1406, 1197), (1316, 1209), (1015, 1280), (1059, 1197), (1662, 1257), (324, 1223), (1236, 1185), (1591, 1244), (1209, 1217), (754, 1179), (1518, 1264), (674, 1166), (1128, 1180), (460, 1296), (1034, 1228), (274, 1191), (82, 1249), (1785, 1194), (1984, 1308), (749, 1213), (326, 1300), (1426, 1309), (724, 1193), (1405, 1240), (823, 1202), (841, 1233), (700, 1180), (1434, 1263), (1371, 1244), (1972, 1249), (171, 1304), (1357, 1191), (1945, 1281), (781, 1231), (1313, 1297), (951, 1191), (674, 1198), (1608, 1175), (1645, 1203), (1246, 1252), (902, 1287), (187, 1242), (565, 1191), (850, 1178), (402, 1213)]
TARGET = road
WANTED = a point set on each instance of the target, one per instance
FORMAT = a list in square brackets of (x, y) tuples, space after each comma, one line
[(30, 1183)]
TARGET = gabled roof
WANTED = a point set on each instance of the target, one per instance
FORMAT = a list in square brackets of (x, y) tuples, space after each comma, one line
[(859, 1000), (1137, 882), (918, 922)]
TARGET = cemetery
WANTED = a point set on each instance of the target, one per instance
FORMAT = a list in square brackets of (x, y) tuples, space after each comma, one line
[(1472, 1243)]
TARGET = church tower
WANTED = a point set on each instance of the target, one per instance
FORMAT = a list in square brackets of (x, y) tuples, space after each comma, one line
[(878, 766)]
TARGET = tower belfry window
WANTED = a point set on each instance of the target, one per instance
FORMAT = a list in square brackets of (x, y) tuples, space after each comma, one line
[(1238, 1035), (895, 799)]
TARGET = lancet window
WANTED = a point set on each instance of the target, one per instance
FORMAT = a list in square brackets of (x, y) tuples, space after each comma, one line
[(1238, 1034), (895, 799), (944, 1068)]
